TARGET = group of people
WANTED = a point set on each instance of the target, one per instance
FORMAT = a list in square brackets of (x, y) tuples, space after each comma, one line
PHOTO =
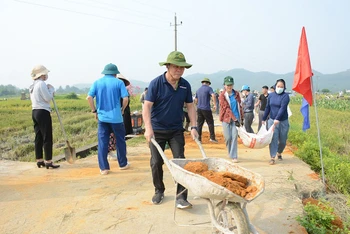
[(163, 103)]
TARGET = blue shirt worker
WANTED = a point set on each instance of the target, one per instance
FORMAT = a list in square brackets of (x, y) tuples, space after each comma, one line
[(162, 114), (108, 112), (204, 113), (248, 108), (276, 108)]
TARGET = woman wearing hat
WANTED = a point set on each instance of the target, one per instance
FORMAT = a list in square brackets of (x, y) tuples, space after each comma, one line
[(40, 96), (276, 109), (230, 116)]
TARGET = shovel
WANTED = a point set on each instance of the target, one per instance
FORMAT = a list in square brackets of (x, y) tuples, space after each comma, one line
[(69, 152)]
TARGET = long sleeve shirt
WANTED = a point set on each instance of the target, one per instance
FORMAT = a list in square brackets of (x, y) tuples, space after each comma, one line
[(41, 95), (276, 107), (248, 103)]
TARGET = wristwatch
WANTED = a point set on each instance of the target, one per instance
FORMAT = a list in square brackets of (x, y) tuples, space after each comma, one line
[(194, 128)]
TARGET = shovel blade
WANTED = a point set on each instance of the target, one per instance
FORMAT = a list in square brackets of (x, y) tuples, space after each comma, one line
[(70, 154)]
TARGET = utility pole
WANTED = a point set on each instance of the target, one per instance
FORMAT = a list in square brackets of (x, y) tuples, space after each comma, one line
[(175, 25)]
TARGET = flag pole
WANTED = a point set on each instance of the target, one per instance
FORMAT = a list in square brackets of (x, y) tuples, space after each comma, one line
[(318, 130)]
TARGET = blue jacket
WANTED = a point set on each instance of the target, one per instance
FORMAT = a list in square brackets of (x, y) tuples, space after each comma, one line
[(277, 106)]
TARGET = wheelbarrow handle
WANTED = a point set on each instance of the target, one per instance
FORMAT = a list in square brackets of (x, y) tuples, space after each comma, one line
[(200, 147), (161, 152)]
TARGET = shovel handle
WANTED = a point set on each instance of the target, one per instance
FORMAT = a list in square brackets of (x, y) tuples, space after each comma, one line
[(61, 124)]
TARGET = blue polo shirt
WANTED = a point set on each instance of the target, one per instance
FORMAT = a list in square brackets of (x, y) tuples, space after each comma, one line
[(166, 112), (108, 90), (203, 95)]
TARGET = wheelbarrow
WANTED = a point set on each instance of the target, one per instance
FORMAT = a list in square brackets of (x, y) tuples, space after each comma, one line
[(227, 210)]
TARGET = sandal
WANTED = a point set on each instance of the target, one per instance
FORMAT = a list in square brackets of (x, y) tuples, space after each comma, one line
[(272, 161)]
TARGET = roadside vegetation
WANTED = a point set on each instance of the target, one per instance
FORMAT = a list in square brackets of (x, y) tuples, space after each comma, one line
[(334, 127)]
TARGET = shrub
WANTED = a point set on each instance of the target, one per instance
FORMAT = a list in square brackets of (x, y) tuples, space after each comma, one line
[(72, 96)]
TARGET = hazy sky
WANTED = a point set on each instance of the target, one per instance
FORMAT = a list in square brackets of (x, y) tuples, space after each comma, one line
[(75, 39)]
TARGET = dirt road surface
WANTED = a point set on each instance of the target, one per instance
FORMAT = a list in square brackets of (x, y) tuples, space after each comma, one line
[(77, 199)]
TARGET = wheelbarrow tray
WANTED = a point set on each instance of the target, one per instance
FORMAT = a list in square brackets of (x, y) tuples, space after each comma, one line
[(204, 188)]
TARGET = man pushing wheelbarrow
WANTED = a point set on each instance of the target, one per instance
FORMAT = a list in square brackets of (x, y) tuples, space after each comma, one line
[(162, 115)]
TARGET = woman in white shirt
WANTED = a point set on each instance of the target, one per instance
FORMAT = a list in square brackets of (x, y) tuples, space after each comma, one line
[(40, 95)]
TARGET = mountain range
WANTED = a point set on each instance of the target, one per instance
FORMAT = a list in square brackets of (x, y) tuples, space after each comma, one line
[(334, 82)]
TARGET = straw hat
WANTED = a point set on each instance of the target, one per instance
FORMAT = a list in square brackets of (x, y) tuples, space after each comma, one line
[(123, 78), (38, 71)]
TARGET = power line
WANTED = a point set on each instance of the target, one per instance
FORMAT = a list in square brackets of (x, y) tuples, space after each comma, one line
[(157, 7), (86, 14), (144, 14)]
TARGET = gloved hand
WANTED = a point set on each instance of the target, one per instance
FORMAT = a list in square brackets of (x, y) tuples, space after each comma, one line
[(237, 123)]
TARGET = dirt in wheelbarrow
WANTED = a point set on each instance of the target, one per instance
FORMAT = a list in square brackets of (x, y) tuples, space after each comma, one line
[(235, 183)]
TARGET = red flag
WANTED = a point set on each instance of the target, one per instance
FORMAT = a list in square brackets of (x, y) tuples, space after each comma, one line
[(303, 71)]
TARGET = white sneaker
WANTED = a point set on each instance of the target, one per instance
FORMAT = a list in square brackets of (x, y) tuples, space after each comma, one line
[(104, 172), (125, 167)]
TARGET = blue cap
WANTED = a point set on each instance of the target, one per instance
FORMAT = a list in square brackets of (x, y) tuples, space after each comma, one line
[(245, 87)]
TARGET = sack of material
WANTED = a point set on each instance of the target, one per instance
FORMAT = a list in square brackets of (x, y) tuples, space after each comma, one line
[(256, 141)]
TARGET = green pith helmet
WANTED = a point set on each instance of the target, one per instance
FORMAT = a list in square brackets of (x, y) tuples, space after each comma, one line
[(206, 80), (110, 69), (177, 58)]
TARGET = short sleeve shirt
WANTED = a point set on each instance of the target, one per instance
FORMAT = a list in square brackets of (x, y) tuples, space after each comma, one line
[(203, 95), (263, 101), (167, 109), (108, 90)]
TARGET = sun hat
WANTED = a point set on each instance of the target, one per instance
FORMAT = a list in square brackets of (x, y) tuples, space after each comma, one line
[(123, 78), (206, 80), (177, 58), (221, 90), (110, 69), (228, 80), (245, 87), (38, 71)]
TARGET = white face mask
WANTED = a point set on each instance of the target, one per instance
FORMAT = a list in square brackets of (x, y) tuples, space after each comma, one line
[(279, 90)]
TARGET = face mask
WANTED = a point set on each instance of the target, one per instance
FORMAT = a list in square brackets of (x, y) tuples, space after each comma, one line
[(269, 92), (279, 90)]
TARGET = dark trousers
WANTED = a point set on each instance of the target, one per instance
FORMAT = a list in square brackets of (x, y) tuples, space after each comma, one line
[(176, 141), (43, 133), (248, 121), (205, 115)]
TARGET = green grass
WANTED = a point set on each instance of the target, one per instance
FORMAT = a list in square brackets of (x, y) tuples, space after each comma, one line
[(335, 138), (17, 133), (136, 141)]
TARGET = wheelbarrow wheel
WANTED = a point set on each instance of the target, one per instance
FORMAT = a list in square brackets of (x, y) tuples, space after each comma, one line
[(231, 217)]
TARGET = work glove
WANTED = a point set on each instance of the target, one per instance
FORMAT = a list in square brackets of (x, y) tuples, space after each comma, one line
[(237, 123)]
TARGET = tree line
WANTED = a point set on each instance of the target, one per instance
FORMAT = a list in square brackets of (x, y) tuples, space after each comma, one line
[(11, 90)]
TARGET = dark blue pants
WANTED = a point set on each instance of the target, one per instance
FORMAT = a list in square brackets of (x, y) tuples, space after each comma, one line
[(176, 141), (104, 130)]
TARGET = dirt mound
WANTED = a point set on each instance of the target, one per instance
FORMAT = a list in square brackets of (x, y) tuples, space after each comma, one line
[(235, 183)]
